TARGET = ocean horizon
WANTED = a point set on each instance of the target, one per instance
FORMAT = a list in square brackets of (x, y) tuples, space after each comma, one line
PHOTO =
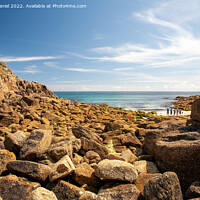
[(127, 100)]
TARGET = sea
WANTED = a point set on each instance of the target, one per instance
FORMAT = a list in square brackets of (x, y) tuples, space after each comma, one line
[(144, 101)]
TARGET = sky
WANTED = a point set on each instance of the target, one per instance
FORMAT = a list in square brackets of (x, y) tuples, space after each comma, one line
[(110, 45)]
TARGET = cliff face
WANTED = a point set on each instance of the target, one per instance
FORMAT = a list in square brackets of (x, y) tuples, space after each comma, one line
[(11, 84)]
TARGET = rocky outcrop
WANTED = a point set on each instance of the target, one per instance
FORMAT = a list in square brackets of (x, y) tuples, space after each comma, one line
[(185, 103), (11, 84)]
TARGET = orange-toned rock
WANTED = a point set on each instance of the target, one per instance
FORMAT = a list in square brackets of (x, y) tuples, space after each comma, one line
[(61, 169), (42, 193), (16, 188), (14, 142), (38, 141), (91, 145), (5, 157), (116, 170), (84, 174), (142, 179), (119, 191)]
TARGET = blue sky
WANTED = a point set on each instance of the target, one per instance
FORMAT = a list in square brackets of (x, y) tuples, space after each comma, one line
[(111, 45)]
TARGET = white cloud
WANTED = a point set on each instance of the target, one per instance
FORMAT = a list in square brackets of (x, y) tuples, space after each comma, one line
[(54, 65), (24, 59), (33, 69), (176, 43), (99, 36), (84, 70)]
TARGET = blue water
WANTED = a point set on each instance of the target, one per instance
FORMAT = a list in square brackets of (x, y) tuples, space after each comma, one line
[(146, 101)]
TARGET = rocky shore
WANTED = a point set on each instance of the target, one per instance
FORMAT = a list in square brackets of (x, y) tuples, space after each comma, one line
[(184, 103), (53, 149)]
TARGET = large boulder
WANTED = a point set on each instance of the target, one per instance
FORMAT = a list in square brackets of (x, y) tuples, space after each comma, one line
[(166, 186), (37, 143), (36, 171), (195, 113), (151, 138), (116, 170), (17, 188), (180, 153)]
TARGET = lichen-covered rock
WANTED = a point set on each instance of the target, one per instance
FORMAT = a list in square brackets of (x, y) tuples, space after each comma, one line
[(16, 188), (14, 142), (84, 174), (66, 191), (91, 145), (180, 153), (81, 131), (66, 146), (5, 157), (42, 194), (116, 170), (37, 142), (144, 166), (29, 169), (119, 192), (166, 186), (61, 169)]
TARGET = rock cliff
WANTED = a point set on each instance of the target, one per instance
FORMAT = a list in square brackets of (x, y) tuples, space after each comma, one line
[(11, 84)]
